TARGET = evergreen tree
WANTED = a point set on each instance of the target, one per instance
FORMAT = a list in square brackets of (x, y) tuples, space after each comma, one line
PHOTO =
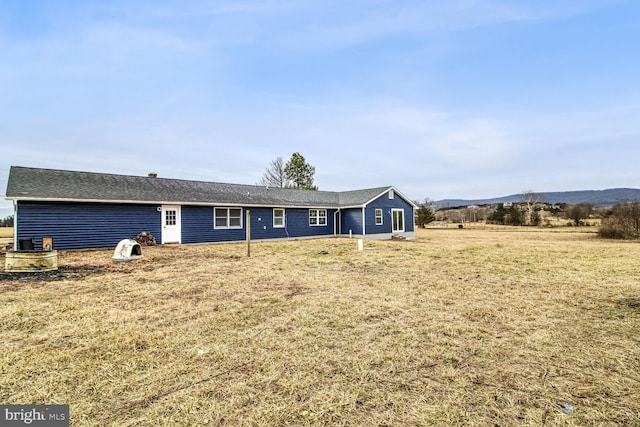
[(299, 173), (425, 213)]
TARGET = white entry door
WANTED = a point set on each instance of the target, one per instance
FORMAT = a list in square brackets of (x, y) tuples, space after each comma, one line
[(397, 217), (171, 230)]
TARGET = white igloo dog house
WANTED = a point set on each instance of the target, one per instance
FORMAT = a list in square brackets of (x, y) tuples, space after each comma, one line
[(127, 250)]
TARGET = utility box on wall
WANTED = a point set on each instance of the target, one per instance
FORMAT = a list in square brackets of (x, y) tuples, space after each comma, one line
[(47, 244)]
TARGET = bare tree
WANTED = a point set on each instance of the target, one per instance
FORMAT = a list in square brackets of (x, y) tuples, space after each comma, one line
[(579, 212), (274, 175), (531, 201)]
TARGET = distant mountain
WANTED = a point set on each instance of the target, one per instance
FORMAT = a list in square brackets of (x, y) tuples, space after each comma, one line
[(607, 197)]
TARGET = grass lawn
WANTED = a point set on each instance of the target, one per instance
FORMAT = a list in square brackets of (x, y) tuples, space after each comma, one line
[(500, 326)]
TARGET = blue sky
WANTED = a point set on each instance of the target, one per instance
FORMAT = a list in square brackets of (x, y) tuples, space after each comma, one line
[(443, 99)]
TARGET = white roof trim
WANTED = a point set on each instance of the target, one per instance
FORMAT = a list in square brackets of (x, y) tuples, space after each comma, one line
[(173, 202), (395, 190)]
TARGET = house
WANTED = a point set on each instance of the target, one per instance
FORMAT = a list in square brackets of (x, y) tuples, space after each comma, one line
[(95, 210)]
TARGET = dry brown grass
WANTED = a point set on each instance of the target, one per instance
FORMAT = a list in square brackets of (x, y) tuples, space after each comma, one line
[(6, 232), (459, 327)]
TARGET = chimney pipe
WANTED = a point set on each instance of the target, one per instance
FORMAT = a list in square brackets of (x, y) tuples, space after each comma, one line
[(153, 175)]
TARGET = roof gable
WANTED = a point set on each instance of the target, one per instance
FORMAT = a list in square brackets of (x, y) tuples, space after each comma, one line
[(50, 184), (396, 193)]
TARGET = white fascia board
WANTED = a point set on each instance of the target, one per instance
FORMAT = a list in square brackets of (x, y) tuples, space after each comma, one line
[(165, 202), (396, 192), (373, 198), (15, 225), (353, 207), (61, 199)]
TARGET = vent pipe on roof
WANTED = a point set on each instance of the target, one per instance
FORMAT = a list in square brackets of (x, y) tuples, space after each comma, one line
[(153, 175)]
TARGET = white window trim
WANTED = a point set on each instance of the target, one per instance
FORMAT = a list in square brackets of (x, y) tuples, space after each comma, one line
[(391, 194), (380, 217), (284, 218), (318, 216), (227, 227)]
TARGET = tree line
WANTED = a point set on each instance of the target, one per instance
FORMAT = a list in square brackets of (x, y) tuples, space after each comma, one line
[(621, 221), (522, 214), (7, 221)]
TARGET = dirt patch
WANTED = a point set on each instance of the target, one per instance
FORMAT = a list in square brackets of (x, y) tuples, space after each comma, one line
[(63, 272), (633, 303)]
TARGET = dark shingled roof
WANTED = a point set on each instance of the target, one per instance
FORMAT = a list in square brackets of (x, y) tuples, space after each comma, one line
[(49, 184)]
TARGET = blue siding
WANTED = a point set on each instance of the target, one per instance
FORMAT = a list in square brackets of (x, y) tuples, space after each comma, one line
[(101, 225), (298, 223), (85, 225), (262, 224), (197, 225), (351, 220), (383, 202)]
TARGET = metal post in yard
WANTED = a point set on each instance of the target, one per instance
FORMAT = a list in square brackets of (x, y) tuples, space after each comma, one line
[(248, 222)]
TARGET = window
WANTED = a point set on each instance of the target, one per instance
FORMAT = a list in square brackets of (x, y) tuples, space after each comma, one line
[(391, 194), (378, 216), (278, 218), (397, 216), (227, 217), (170, 217), (317, 217)]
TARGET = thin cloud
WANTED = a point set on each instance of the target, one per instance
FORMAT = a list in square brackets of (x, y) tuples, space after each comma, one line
[(476, 145), (367, 22), (101, 48), (339, 24)]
